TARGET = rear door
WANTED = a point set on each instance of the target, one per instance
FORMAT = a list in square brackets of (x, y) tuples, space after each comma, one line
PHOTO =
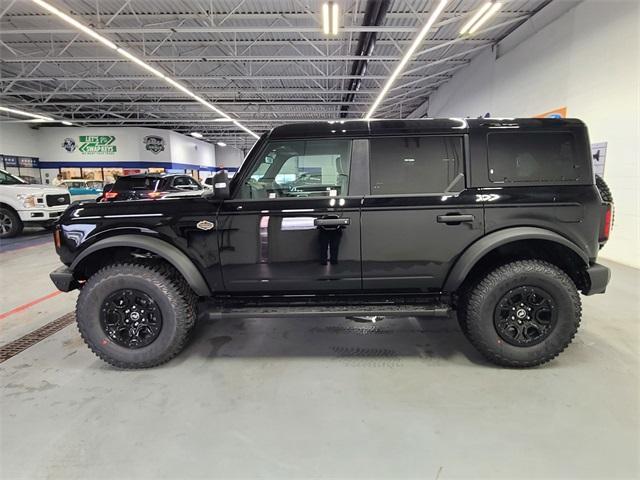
[(419, 215)]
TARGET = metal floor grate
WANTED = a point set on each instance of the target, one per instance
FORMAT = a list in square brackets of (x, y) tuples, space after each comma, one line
[(13, 348)]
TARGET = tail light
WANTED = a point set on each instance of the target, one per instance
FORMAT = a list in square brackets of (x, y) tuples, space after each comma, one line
[(56, 237), (109, 196), (155, 194), (608, 221)]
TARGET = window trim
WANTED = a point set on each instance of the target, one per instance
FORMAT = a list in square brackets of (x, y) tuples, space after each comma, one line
[(237, 186), (464, 166)]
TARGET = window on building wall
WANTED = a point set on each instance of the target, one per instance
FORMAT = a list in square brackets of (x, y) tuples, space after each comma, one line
[(92, 173), (68, 173), (112, 174)]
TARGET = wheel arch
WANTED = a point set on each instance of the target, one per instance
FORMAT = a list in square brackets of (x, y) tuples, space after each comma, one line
[(533, 242), (171, 254), (6, 205)]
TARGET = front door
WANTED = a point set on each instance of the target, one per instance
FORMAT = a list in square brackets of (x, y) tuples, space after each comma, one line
[(419, 216), (291, 224)]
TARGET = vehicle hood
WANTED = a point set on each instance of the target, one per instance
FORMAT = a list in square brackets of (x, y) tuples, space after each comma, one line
[(36, 188)]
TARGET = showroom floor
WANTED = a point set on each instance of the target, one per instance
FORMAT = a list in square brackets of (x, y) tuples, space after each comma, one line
[(314, 397)]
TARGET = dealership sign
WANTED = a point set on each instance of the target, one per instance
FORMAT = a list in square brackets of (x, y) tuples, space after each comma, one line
[(97, 144), (154, 143)]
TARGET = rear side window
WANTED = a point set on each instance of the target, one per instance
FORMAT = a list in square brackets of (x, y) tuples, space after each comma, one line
[(415, 165), (533, 157)]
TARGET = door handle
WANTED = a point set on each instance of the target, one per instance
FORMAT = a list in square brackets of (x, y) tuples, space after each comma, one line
[(331, 222), (454, 219)]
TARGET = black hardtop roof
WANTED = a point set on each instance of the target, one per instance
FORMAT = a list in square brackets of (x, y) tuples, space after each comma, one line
[(351, 128)]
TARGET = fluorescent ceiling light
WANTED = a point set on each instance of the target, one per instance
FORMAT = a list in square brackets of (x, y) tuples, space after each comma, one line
[(494, 8), (36, 117), (77, 24), (407, 56), (475, 18), (129, 56), (196, 134), (141, 63), (334, 19), (221, 144), (26, 114), (326, 22), (330, 20)]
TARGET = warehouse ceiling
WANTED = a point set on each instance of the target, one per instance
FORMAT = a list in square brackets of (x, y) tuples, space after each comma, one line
[(263, 62)]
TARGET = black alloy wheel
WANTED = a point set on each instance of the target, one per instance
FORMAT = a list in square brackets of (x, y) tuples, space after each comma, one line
[(131, 318), (525, 316)]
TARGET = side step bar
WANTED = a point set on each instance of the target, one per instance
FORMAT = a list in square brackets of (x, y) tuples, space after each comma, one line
[(214, 312)]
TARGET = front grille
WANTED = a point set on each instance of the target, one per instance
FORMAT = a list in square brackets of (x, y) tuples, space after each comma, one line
[(58, 200)]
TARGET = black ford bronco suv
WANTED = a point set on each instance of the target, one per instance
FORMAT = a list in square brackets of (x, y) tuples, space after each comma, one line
[(499, 219)]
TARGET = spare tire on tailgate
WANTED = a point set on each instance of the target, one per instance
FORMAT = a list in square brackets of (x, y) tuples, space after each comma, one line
[(603, 188)]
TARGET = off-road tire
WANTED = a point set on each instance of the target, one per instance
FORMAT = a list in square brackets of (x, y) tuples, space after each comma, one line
[(604, 190), (176, 301), (15, 225), (478, 317)]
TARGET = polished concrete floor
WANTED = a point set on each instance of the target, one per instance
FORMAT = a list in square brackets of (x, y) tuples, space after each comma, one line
[(314, 398)]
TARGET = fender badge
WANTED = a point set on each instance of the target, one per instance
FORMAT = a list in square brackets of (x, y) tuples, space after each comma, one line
[(205, 225)]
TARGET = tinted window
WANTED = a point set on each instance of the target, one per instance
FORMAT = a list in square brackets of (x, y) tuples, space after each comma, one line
[(413, 165), (136, 183), (300, 168), (181, 181), (533, 157)]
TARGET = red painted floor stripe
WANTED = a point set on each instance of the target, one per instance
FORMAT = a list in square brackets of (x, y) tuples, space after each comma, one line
[(29, 305)]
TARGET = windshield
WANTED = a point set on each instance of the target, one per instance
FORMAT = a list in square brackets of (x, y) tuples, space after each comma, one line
[(7, 179)]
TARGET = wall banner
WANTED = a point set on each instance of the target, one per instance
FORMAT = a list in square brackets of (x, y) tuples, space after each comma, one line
[(599, 155), (97, 144), (557, 113)]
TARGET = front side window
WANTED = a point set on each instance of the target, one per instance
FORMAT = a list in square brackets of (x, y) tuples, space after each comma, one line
[(415, 165), (300, 168), (533, 157)]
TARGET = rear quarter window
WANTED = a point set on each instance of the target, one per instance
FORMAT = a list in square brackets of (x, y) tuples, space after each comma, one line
[(515, 157)]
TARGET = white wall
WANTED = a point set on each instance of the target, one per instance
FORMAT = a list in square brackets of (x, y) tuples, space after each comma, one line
[(19, 139), (589, 61), (229, 157)]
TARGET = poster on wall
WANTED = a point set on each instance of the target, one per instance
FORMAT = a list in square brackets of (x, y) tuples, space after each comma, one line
[(28, 162), (91, 144), (599, 155), (557, 113), (10, 161)]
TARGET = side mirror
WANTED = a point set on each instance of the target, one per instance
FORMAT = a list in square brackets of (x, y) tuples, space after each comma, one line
[(220, 183)]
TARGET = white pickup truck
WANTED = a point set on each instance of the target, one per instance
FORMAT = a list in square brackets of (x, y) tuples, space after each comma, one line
[(23, 204)]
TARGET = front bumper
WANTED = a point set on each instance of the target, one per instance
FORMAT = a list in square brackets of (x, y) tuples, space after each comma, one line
[(598, 276), (63, 279), (41, 215)]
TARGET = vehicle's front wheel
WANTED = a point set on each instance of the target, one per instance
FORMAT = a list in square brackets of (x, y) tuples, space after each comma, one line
[(10, 223), (136, 316), (522, 314)]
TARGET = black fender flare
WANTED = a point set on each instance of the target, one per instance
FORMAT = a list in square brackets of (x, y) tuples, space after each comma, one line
[(171, 254), (484, 245)]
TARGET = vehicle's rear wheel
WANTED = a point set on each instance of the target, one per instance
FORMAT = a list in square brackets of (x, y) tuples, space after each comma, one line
[(134, 315), (10, 223), (522, 314)]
